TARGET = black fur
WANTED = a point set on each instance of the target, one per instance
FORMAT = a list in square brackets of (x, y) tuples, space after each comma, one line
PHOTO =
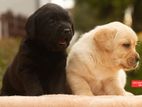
[(39, 66)]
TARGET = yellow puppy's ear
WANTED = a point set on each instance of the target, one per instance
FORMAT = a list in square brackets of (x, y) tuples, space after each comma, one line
[(104, 38)]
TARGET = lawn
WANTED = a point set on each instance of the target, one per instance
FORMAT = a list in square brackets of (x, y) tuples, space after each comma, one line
[(8, 49)]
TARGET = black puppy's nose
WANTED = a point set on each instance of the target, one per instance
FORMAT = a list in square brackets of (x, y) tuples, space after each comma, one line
[(67, 31)]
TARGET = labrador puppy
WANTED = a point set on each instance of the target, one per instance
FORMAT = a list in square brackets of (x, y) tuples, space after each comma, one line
[(39, 66), (96, 63)]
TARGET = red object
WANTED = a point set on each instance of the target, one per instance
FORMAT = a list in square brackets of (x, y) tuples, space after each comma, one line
[(136, 83)]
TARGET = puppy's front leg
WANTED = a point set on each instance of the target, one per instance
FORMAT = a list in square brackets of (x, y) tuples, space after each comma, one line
[(31, 83), (78, 85), (128, 93), (113, 87)]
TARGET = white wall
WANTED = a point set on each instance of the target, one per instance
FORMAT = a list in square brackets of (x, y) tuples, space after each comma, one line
[(25, 7), (64, 3)]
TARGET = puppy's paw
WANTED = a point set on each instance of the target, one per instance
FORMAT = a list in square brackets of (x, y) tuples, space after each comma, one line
[(128, 94)]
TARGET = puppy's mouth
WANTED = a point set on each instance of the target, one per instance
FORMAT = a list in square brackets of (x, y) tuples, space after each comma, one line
[(63, 42), (129, 66), (133, 62), (124, 66)]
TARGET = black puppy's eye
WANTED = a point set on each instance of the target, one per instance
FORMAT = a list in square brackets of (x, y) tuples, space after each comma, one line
[(52, 21), (126, 45)]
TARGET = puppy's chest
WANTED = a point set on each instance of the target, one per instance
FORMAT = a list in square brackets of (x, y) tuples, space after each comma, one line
[(97, 87), (51, 66), (50, 59), (50, 69)]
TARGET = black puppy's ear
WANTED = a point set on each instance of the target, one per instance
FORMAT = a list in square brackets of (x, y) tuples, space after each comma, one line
[(30, 27)]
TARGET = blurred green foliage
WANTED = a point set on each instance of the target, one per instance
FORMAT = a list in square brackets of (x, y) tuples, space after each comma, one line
[(89, 13), (137, 15), (135, 74)]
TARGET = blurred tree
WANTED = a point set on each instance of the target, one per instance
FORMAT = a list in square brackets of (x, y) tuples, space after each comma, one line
[(88, 13), (137, 15)]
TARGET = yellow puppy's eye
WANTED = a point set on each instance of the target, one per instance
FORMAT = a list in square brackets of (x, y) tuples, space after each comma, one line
[(126, 45)]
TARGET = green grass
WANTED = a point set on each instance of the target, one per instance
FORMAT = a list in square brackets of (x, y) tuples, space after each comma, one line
[(8, 49)]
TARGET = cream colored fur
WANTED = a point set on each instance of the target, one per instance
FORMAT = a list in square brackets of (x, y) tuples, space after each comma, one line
[(96, 62)]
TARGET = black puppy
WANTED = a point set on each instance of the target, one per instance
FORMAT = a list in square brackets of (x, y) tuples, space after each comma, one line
[(39, 66)]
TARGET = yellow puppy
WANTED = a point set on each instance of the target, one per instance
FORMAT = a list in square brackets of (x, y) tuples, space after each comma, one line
[(96, 63)]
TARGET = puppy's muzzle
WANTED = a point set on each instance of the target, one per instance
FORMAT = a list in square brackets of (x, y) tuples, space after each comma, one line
[(133, 61), (67, 32)]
